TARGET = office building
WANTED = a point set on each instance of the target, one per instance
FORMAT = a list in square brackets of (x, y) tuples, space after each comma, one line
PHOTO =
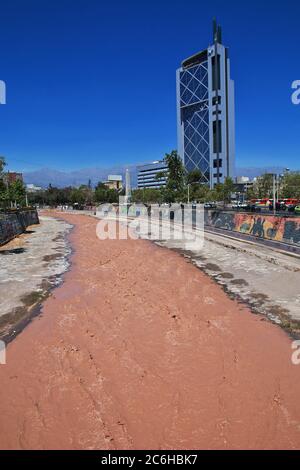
[(153, 175), (205, 113)]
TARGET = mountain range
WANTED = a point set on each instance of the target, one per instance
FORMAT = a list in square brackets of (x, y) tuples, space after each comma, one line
[(46, 176)]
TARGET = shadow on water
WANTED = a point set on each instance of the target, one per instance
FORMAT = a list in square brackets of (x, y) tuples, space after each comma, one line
[(14, 251)]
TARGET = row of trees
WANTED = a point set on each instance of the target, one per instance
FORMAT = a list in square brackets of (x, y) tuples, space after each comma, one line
[(286, 186), (84, 195), (181, 187)]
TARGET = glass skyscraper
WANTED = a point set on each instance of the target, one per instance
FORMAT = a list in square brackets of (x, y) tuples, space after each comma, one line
[(205, 113)]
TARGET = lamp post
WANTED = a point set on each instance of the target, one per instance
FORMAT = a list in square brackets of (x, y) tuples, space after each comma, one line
[(274, 193)]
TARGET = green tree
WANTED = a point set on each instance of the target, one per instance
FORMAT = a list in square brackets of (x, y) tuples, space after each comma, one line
[(199, 192), (228, 189), (222, 191), (193, 177), (53, 196), (174, 190), (251, 193), (290, 185), (88, 193), (161, 175), (4, 195), (77, 196), (2, 165), (17, 192), (103, 194), (195, 189), (147, 195), (264, 186), (3, 188), (215, 194)]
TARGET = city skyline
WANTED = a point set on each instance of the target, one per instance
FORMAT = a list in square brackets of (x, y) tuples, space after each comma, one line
[(111, 95)]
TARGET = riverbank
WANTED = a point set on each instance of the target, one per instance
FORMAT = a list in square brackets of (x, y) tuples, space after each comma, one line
[(140, 349), (30, 266)]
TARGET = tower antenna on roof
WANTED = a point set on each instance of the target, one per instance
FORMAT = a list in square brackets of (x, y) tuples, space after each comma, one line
[(215, 29), (217, 32)]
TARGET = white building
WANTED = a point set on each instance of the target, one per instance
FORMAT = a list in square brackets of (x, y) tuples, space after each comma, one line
[(32, 188)]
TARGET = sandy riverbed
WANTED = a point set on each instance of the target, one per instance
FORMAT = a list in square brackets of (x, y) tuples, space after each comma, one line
[(140, 349)]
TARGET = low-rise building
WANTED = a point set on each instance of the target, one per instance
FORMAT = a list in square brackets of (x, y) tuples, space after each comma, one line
[(32, 188), (242, 185), (114, 182), (12, 176)]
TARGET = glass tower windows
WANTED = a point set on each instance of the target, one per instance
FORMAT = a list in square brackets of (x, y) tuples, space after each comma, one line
[(195, 118)]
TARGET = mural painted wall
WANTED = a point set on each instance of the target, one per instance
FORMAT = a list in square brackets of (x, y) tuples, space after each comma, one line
[(283, 229)]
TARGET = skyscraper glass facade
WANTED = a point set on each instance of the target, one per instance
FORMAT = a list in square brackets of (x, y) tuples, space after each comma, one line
[(205, 112), (195, 117)]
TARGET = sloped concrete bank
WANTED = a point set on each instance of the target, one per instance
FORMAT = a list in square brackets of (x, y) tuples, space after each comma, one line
[(14, 223), (30, 267)]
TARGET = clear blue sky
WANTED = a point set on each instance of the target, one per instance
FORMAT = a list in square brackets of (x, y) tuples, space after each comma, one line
[(92, 83)]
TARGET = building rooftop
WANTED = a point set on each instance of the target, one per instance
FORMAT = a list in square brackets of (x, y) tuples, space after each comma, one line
[(195, 59)]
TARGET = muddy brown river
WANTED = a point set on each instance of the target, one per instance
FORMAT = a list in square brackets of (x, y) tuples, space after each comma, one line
[(139, 349)]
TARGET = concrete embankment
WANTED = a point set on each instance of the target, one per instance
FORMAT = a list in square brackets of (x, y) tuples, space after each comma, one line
[(14, 223), (263, 226), (30, 266)]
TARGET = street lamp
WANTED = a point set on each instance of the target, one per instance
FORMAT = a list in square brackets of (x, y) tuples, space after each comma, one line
[(274, 193)]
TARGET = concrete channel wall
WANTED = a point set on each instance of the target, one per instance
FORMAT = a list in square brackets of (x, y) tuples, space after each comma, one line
[(264, 226), (13, 224)]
